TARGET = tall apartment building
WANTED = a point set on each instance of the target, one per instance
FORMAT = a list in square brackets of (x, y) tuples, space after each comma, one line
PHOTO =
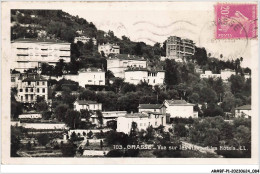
[(30, 87), (109, 48), (31, 53), (177, 48), (121, 62)]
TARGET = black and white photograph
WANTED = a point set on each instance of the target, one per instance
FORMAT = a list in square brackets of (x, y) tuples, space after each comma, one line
[(113, 80)]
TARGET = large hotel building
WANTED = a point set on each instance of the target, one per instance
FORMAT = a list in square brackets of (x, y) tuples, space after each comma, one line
[(179, 48), (30, 53)]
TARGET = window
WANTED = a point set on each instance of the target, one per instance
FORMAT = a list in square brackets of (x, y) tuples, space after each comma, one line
[(26, 90), (43, 83), (31, 89), (37, 83), (141, 124), (38, 90), (29, 83), (31, 96), (26, 97), (21, 98), (43, 90), (21, 90), (156, 123), (12, 79), (154, 81)]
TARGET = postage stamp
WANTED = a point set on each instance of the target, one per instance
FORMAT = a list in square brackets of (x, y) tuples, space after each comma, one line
[(234, 21)]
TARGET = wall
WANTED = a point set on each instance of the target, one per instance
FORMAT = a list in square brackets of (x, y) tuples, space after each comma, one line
[(135, 77), (91, 78), (43, 125), (180, 111)]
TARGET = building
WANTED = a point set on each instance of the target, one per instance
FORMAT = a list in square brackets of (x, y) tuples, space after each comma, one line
[(180, 108), (137, 75), (31, 53), (89, 76), (243, 111), (117, 64), (14, 80), (226, 74), (142, 120), (30, 87), (85, 39), (87, 104), (177, 48), (208, 74), (247, 76), (151, 108), (108, 49), (108, 116)]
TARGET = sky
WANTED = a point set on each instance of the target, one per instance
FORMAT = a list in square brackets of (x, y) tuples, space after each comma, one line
[(155, 21)]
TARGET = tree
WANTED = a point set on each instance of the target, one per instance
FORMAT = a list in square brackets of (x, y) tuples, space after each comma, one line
[(101, 144), (72, 119), (100, 117), (90, 134), (41, 106), (68, 149), (43, 139), (60, 112), (237, 83), (180, 130)]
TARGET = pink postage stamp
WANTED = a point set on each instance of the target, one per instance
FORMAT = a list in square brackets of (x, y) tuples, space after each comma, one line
[(235, 21)]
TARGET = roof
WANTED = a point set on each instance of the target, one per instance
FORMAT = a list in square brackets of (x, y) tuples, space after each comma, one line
[(154, 113), (47, 41), (178, 102), (127, 57), (150, 106), (136, 115), (86, 102), (34, 78), (244, 107), (91, 69), (136, 69)]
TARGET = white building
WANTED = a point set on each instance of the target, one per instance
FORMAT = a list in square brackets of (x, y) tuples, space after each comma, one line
[(30, 87), (137, 75), (85, 39), (109, 49), (143, 121), (31, 53), (89, 76), (208, 74), (243, 111), (87, 104), (180, 108), (226, 74), (108, 116), (117, 64)]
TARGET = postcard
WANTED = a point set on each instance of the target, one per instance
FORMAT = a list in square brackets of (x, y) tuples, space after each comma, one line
[(130, 82)]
